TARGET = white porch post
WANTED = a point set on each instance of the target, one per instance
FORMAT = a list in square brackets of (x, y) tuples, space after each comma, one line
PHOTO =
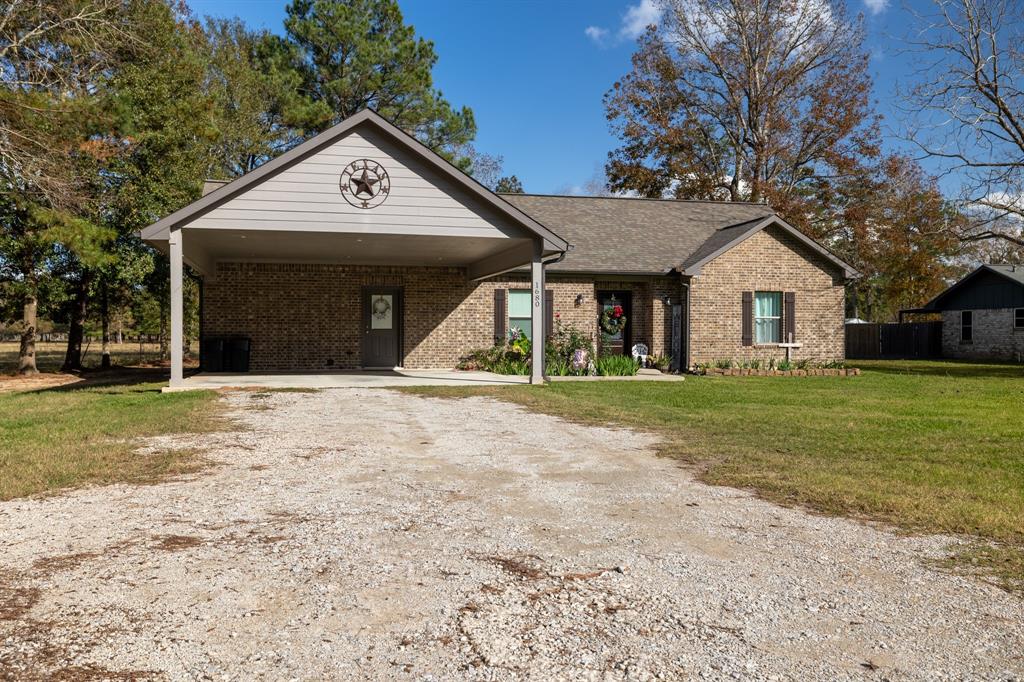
[(537, 316), (177, 310)]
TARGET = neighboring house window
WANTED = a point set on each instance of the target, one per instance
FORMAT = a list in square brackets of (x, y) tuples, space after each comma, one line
[(1018, 318), (519, 306), (767, 317), (966, 326)]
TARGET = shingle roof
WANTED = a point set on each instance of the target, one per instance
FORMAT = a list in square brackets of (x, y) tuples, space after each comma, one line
[(1014, 272), (721, 238), (637, 235)]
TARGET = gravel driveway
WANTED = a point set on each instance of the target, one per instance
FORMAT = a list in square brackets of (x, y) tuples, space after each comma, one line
[(370, 534)]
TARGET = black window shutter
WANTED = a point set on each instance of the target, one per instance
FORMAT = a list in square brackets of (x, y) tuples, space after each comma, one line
[(789, 317), (748, 318), (549, 311), (500, 316)]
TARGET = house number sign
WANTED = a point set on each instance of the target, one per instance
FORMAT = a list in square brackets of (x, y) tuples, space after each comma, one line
[(365, 184)]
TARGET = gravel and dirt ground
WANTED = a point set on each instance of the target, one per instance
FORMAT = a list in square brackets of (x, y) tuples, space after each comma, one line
[(367, 534)]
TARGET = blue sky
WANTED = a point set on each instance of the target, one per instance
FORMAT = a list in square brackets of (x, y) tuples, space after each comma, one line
[(534, 71)]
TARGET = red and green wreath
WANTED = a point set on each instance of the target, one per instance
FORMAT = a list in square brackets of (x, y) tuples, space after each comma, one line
[(613, 320)]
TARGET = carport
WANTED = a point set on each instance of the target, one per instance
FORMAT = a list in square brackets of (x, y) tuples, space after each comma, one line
[(359, 249)]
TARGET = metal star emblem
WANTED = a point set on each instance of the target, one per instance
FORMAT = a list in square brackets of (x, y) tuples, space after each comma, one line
[(363, 184)]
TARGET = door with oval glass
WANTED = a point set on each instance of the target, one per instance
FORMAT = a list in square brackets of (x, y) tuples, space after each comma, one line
[(382, 327), (614, 337)]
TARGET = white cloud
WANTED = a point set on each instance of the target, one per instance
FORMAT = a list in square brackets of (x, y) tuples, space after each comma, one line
[(634, 22), (638, 17), (596, 33), (876, 6)]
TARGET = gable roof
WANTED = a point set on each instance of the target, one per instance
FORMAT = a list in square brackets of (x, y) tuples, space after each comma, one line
[(652, 236), (160, 230), (1013, 273)]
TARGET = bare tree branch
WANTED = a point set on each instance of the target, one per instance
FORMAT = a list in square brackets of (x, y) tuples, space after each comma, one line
[(966, 108)]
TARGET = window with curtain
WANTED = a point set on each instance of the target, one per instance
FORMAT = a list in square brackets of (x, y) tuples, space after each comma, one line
[(519, 306), (767, 317)]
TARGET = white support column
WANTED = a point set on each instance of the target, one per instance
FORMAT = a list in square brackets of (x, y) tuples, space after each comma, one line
[(177, 310), (537, 316)]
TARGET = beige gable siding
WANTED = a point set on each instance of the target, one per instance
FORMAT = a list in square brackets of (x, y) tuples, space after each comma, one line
[(306, 196), (770, 260)]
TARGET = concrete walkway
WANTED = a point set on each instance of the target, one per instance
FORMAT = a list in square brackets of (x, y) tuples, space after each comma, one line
[(384, 379), (348, 379)]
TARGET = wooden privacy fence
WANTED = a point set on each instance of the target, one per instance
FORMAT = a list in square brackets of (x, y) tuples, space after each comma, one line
[(907, 340)]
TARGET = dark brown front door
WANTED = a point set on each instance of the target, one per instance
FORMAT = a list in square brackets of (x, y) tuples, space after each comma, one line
[(621, 342), (382, 327)]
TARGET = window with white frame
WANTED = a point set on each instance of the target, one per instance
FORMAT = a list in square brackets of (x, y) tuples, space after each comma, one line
[(1018, 318), (767, 317), (519, 306), (966, 326)]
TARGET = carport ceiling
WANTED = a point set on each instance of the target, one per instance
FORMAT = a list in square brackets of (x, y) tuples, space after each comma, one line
[(332, 247)]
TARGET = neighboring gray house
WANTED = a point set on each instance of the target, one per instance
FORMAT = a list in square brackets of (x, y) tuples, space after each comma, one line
[(983, 314)]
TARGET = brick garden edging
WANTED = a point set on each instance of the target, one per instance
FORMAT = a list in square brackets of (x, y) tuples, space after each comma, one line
[(851, 372)]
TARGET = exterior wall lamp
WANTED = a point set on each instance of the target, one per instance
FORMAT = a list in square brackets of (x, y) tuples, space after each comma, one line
[(579, 300)]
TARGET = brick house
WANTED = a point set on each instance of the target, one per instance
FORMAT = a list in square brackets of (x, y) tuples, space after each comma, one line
[(361, 248), (983, 314)]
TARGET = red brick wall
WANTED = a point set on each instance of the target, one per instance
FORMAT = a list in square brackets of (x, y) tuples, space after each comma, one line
[(308, 316), (771, 260)]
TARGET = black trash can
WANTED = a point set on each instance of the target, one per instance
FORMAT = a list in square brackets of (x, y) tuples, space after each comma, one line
[(237, 355), (211, 355)]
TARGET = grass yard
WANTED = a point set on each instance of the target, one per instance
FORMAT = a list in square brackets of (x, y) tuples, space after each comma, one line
[(75, 435), (925, 446)]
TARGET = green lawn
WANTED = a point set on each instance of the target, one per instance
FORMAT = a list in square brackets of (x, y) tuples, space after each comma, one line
[(73, 435), (926, 446)]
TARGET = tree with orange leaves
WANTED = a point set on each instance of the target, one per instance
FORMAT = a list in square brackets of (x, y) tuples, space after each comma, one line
[(769, 101)]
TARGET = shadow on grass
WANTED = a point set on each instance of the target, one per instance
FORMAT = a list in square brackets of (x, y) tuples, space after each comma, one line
[(114, 380), (951, 368)]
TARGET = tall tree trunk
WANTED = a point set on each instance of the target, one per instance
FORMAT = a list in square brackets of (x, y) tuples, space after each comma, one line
[(76, 328), (105, 323), (27, 350)]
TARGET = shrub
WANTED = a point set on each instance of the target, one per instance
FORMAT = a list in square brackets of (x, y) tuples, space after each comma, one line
[(481, 360), (513, 355), (617, 366), (724, 363), (565, 342), (560, 368), (660, 362), (508, 365)]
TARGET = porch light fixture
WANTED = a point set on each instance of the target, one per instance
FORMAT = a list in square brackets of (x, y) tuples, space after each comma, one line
[(579, 300), (667, 300)]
